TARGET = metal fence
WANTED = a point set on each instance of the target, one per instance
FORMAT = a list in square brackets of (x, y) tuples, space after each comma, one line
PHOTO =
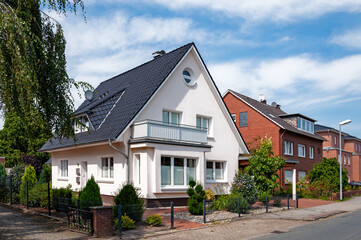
[(81, 220)]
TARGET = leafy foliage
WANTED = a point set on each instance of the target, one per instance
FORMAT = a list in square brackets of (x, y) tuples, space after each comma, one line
[(263, 166), (154, 220), (16, 174), (264, 197), (277, 202), (196, 195), (234, 200), (209, 195), (132, 204), (90, 195), (245, 185), (34, 82), (127, 222), (3, 185), (45, 175), (38, 195), (62, 198), (30, 178)]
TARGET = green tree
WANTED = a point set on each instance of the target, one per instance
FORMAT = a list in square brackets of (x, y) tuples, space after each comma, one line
[(327, 172), (263, 166), (90, 195), (45, 175), (34, 84), (30, 178)]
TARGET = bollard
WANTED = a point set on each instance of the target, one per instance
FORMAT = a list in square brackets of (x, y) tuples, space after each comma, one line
[(120, 219), (288, 202), (49, 201), (266, 204), (171, 215), (331, 195), (27, 195), (204, 211), (11, 190), (239, 207), (296, 200)]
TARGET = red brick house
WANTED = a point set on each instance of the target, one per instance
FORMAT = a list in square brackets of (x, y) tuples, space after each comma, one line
[(350, 147), (292, 135)]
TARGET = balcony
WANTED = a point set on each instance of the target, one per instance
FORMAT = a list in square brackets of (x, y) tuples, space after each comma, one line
[(149, 129)]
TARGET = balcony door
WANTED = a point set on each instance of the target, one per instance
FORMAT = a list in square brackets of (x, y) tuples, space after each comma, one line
[(171, 118)]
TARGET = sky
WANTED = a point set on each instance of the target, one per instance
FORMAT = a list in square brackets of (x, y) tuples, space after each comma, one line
[(303, 54)]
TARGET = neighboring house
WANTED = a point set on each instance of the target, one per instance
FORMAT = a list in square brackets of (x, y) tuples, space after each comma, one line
[(350, 147), (292, 135), (157, 125)]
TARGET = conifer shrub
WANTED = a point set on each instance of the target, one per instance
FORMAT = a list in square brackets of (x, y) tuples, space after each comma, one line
[(90, 195), (132, 204), (196, 195), (127, 222), (3, 187), (30, 178), (45, 175), (38, 195), (154, 220)]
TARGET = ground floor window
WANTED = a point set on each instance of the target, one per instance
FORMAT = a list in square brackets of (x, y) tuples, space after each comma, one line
[(301, 175), (64, 168), (288, 176), (177, 171), (215, 170), (107, 167)]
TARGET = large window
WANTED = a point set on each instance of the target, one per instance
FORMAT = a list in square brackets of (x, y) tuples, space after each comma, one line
[(203, 123), (301, 175), (288, 176), (288, 148), (137, 169), (177, 171), (243, 119), (305, 125), (311, 152), (215, 170), (301, 150), (171, 117), (107, 167), (64, 168)]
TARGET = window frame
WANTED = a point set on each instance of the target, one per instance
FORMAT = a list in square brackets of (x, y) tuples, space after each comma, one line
[(214, 179), (62, 170), (202, 118), (190, 77), (185, 172), (285, 179), (312, 152), (109, 170), (241, 123), (291, 145), (304, 150), (305, 125), (299, 175), (348, 160), (78, 128), (170, 112)]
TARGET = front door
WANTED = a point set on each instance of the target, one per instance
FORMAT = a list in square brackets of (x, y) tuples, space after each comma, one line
[(84, 174)]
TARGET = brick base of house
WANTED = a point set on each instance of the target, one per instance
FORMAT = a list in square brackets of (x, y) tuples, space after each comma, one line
[(346, 194)]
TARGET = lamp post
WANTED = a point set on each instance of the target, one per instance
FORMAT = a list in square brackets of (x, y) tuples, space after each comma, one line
[(340, 157)]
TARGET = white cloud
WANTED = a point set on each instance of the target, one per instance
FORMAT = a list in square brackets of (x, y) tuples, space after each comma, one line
[(351, 39), (298, 82), (275, 10)]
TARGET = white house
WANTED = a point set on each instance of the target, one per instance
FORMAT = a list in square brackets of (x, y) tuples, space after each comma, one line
[(157, 125)]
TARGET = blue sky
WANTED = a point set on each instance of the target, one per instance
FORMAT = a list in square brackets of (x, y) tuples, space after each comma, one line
[(303, 54)]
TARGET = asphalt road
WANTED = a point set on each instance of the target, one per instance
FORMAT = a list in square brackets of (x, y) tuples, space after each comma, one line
[(344, 227)]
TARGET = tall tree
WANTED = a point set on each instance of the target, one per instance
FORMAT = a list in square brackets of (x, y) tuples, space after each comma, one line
[(263, 166), (34, 84)]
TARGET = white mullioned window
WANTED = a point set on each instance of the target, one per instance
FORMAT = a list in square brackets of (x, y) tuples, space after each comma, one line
[(311, 152), (64, 168), (172, 118), (203, 123), (288, 148), (215, 170), (177, 171), (107, 170), (305, 125), (301, 150)]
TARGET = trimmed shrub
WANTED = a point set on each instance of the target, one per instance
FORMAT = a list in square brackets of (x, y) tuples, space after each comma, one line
[(30, 178), (127, 223), (232, 203), (62, 198), (132, 204), (263, 196), (245, 185), (209, 195), (45, 175), (154, 220), (38, 195), (196, 196), (90, 195)]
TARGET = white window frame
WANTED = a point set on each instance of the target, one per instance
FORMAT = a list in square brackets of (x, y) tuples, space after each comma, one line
[(170, 117), (209, 124), (348, 160), (109, 169), (302, 125), (224, 171), (287, 180), (62, 172), (344, 159), (312, 152), (301, 146), (335, 140), (172, 185), (137, 169), (78, 128), (286, 148)]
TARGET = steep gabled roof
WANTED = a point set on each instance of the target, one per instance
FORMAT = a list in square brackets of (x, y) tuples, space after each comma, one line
[(118, 100), (273, 114)]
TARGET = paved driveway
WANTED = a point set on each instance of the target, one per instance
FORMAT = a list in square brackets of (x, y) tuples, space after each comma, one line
[(18, 225)]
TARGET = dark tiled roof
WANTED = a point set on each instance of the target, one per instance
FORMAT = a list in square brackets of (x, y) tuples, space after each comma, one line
[(275, 114), (322, 128), (118, 100)]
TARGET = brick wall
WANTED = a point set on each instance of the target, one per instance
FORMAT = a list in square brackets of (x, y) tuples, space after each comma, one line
[(103, 221)]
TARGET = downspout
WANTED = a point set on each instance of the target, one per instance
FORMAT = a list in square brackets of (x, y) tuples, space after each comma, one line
[(125, 155)]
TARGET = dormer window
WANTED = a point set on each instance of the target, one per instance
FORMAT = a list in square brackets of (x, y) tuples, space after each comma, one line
[(305, 125), (81, 124)]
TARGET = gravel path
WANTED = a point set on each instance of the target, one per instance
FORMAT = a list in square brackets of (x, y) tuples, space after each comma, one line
[(19, 225)]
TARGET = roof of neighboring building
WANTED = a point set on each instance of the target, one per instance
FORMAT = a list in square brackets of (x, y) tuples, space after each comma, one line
[(118, 100), (322, 128), (274, 114)]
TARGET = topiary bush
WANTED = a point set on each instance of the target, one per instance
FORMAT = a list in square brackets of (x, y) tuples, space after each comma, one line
[(30, 178), (245, 185), (132, 204), (45, 175), (196, 195), (90, 195), (154, 220)]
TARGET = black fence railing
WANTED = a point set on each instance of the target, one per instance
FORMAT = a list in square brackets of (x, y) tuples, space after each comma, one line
[(81, 220)]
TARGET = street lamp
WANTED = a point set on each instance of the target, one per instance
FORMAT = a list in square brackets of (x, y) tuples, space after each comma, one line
[(340, 157)]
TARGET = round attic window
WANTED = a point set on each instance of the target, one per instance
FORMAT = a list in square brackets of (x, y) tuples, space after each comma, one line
[(188, 77)]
